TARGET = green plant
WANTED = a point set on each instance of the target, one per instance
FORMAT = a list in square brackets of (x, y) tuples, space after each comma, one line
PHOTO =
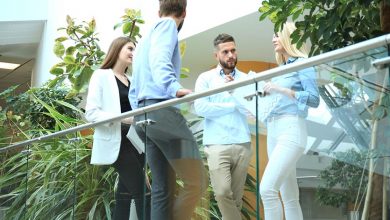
[(129, 24), (84, 56), (329, 24), (80, 59), (344, 180), (28, 108), (333, 24), (54, 179)]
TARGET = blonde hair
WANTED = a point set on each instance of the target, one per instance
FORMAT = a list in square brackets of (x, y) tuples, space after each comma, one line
[(291, 49)]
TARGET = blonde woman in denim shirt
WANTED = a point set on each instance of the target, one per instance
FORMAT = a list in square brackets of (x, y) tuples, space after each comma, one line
[(286, 139)]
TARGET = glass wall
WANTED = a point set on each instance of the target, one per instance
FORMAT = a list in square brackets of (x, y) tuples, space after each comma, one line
[(326, 141)]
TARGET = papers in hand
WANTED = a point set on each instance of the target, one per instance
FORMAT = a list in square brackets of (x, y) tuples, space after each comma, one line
[(135, 140), (245, 98)]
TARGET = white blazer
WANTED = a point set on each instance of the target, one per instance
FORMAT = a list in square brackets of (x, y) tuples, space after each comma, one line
[(103, 102)]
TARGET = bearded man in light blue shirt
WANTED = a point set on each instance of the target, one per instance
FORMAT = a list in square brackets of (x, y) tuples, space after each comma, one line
[(226, 134), (171, 148)]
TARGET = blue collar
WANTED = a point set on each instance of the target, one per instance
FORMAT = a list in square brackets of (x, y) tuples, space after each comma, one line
[(291, 60), (233, 73)]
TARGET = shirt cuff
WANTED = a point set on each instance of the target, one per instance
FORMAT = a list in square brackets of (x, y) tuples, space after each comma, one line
[(302, 98), (173, 89)]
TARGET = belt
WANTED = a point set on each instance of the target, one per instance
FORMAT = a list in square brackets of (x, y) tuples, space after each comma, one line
[(146, 101)]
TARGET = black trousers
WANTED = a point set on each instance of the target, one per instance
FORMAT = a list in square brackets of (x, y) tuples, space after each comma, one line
[(130, 167)]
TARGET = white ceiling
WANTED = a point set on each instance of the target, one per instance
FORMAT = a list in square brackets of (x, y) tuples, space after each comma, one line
[(19, 42)]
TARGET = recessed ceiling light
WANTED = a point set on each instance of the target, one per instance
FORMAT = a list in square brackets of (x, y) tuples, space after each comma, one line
[(8, 66)]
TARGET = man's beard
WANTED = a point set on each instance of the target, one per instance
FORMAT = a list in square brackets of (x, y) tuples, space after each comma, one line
[(180, 26), (228, 66)]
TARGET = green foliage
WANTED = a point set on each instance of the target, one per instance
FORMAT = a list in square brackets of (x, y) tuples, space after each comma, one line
[(28, 109), (343, 179), (129, 24), (80, 59), (80, 52), (184, 71), (329, 24), (60, 181)]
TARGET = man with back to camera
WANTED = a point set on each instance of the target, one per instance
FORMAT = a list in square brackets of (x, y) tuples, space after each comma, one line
[(226, 134), (171, 148)]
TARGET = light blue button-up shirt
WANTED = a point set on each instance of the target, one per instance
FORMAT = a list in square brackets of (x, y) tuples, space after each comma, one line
[(304, 84), (223, 122), (156, 67)]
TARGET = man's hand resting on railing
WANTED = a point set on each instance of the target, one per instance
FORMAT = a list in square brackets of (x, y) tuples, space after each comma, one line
[(128, 121), (182, 92)]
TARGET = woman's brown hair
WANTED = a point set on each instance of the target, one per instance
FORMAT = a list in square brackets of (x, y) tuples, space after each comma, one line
[(113, 52)]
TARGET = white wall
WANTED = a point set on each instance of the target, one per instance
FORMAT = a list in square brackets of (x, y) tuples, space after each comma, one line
[(23, 10), (201, 15), (205, 14)]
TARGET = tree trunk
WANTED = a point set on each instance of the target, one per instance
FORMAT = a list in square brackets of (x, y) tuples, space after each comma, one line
[(371, 168), (373, 204), (376, 207), (385, 16), (385, 188)]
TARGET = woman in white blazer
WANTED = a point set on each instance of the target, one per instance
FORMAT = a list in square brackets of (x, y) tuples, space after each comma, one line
[(108, 97)]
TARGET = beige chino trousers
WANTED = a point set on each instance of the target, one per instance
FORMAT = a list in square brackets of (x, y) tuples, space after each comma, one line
[(228, 167)]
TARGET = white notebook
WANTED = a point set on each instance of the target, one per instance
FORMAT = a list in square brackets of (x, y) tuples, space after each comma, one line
[(136, 140)]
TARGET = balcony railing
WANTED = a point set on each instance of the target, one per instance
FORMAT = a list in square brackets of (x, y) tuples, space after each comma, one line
[(348, 131)]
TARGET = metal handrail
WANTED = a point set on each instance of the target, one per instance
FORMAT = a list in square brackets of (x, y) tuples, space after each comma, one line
[(268, 74)]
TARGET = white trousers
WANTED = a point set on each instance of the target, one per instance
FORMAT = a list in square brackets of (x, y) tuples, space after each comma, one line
[(286, 141)]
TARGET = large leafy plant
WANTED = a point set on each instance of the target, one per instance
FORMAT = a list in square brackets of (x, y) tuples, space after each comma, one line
[(328, 24), (80, 52), (53, 179), (80, 59), (333, 24), (130, 21), (28, 108)]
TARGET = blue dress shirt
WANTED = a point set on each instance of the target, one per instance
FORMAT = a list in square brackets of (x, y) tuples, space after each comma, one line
[(223, 122), (304, 84), (156, 67)]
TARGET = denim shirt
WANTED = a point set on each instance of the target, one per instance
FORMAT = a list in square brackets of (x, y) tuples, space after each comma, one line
[(156, 67), (303, 82)]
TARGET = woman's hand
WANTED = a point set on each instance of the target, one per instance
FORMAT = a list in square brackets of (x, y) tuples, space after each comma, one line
[(270, 88)]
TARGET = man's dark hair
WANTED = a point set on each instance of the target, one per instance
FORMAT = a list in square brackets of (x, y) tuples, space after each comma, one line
[(222, 38), (172, 7)]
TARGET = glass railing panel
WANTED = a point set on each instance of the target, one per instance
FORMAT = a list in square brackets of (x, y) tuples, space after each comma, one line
[(346, 144), (356, 96), (192, 142), (55, 180), (41, 181), (14, 174), (345, 159)]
